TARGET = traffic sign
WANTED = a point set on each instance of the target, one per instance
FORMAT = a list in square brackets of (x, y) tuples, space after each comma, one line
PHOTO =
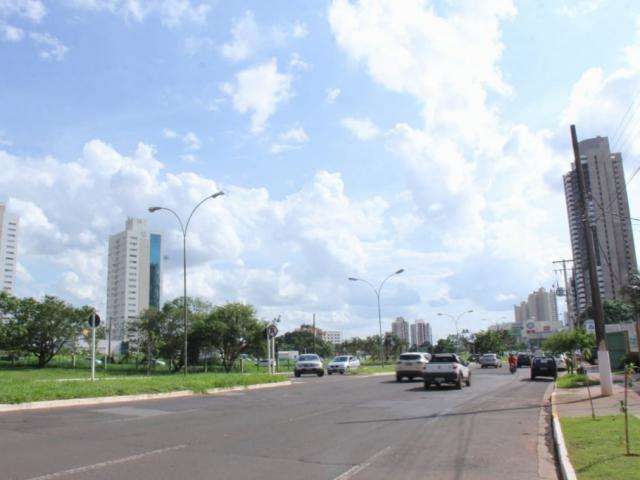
[(271, 331), (94, 320)]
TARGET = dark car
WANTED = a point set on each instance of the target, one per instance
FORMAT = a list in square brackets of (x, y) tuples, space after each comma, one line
[(543, 367), (524, 360)]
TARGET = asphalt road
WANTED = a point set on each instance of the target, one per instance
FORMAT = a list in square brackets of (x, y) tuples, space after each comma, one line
[(335, 427)]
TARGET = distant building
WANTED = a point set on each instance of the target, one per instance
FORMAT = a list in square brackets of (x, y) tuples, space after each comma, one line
[(400, 327), (332, 336), (541, 305), (608, 214), (8, 250), (420, 333), (134, 275)]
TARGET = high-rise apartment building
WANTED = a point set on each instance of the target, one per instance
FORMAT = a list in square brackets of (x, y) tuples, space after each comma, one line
[(541, 305), (134, 278), (608, 215), (420, 333), (400, 327), (8, 250)]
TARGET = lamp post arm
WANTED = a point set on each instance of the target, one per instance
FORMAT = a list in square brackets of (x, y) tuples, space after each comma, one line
[(182, 227), (194, 211)]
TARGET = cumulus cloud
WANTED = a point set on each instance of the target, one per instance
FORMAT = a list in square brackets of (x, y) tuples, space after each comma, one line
[(296, 62), (361, 128), (32, 10), (294, 139), (50, 47), (11, 33), (259, 90), (172, 13), (315, 237), (331, 95), (245, 38), (300, 30)]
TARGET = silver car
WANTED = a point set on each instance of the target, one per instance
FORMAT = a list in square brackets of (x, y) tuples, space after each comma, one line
[(490, 360), (343, 364), (411, 365), (309, 363)]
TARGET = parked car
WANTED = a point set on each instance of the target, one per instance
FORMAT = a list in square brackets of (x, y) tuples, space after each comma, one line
[(544, 366), (490, 360), (309, 363), (411, 365), (446, 368), (343, 364), (475, 357), (524, 360), (264, 362), (561, 361)]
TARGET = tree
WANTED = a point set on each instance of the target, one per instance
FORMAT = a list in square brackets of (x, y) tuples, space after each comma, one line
[(568, 341), (145, 334), (12, 332), (489, 341), (41, 328), (615, 311), (233, 329), (303, 341), (445, 345)]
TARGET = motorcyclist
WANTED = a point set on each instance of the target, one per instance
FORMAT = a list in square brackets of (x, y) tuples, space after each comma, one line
[(513, 361)]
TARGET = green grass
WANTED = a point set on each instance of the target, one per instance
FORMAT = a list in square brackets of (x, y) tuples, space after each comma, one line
[(29, 385), (574, 381), (369, 369), (596, 447)]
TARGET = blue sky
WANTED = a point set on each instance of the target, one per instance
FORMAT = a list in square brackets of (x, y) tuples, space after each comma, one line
[(353, 138)]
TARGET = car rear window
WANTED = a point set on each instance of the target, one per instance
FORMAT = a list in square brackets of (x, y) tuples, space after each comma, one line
[(490, 356), (341, 359), (443, 359), (410, 356), (306, 358)]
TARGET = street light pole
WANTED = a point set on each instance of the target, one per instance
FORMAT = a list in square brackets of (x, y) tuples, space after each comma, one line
[(378, 291), (455, 321), (184, 228)]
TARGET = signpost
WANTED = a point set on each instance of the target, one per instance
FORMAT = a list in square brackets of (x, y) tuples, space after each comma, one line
[(94, 322), (270, 332)]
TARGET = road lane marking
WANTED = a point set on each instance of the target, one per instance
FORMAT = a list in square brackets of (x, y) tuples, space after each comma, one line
[(361, 466), (117, 461)]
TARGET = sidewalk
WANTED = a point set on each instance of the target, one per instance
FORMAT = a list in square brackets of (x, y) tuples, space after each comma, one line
[(574, 402)]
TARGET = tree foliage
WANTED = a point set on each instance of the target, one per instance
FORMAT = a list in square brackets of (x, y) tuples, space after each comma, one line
[(232, 329), (303, 341), (567, 341)]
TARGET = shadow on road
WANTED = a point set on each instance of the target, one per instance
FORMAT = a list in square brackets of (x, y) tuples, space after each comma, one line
[(536, 380)]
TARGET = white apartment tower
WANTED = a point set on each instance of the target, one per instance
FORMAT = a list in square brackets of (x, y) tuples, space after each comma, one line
[(419, 330), (609, 217), (8, 250), (400, 327), (332, 336), (134, 278)]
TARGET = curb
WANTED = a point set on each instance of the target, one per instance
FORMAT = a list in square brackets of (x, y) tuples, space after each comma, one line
[(566, 469), (80, 402)]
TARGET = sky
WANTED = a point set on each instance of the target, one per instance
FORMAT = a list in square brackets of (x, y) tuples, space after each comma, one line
[(352, 138)]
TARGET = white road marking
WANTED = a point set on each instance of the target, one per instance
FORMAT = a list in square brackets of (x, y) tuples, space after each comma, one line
[(97, 466), (361, 466)]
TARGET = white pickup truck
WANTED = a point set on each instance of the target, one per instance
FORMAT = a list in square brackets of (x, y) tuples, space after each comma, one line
[(446, 368)]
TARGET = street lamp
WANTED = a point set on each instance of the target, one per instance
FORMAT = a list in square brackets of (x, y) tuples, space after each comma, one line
[(183, 228), (377, 292), (455, 321)]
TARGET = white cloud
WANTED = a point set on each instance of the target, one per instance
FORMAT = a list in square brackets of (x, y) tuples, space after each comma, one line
[(259, 90), (172, 13), (189, 158), (577, 8), (11, 33), (190, 140), (298, 63), (296, 134), (245, 38), (332, 95), (50, 47), (33, 10), (361, 128), (168, 133), (300, 30), (278, 148)]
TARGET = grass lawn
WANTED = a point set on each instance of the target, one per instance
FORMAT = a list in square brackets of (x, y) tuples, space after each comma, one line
[(29, 385), (596, 447), (369, 369), (574, 380)]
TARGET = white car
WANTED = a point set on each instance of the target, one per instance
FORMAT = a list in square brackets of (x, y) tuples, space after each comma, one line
[(411, 365), (561, 361), (343, 364), (309, 363), (446, 368)]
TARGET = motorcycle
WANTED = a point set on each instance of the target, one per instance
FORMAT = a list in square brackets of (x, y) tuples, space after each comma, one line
[(513, 368)]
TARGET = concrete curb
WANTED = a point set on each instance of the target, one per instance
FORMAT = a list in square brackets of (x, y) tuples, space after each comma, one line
[(79, 402), (566, 468)]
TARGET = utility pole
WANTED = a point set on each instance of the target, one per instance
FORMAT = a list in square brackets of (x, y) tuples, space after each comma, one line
[(570, 312), (604, 363)]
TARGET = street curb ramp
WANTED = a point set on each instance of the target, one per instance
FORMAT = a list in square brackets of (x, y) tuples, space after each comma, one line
[(80, 402), (566, 468)]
